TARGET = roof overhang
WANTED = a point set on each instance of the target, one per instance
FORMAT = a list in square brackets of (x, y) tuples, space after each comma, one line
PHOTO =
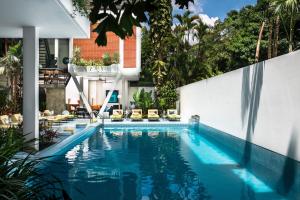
[(53, 18)]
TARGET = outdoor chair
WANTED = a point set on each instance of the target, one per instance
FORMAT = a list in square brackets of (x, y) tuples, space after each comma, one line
[(117, 115), (47, 113), (153, 115), (81, 112), (172, 115), (17, 119), (67, 115), (137, 115), (4, 121)]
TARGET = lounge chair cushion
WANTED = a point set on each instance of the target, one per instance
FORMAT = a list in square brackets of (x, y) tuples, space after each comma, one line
[(116, 116), (48, 113), (4, 126), (173, 117), (136, 117), (153, 116), (17, 118), (4, 120)]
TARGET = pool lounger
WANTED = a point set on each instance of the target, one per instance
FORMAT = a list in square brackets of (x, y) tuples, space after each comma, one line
[(137, 115), (153, 115), (172, 115), (117, 115)]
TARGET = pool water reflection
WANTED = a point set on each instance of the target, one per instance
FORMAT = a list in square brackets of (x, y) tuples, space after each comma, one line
[(158, 164)]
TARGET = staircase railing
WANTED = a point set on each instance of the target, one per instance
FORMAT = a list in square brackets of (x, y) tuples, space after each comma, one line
[(48, 60)]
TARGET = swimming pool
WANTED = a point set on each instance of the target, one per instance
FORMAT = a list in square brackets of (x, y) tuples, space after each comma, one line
[(168, 163)]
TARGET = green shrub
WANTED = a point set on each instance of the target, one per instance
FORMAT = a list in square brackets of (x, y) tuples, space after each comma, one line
[(3, 101), (167, 95), (107, 60), (143, 100), (22, 178), (115, 58)]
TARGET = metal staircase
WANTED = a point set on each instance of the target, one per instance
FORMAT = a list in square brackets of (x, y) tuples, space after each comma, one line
[(44, 53)]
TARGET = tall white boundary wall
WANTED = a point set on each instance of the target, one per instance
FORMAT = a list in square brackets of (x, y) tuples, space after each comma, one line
[(259, 103)]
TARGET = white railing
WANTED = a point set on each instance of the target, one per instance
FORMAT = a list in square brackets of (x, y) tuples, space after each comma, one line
[(110, 70)]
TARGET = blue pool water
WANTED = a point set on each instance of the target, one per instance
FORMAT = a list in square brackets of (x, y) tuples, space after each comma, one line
[(161, 164)]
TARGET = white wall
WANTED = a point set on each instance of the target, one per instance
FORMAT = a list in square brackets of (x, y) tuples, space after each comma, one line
[(72, 92), (259, 103), (97, 91), (94, 90)]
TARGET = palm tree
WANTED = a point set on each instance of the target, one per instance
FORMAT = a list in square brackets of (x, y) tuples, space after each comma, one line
[(201, 30), (12, 69), (259, 40), (289, 9), (186, 24)]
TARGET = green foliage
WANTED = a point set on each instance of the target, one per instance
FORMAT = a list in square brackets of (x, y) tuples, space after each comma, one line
[(76, 56), (3, 101), (167, 96), (117, 16), (115, 58), (82, 6), (160, 29), (228, 45), (21, 178), (232, 44), (106, 59), (159, 71), (11, 141), (143, 100), (47, 136), (290, 10), (12, 63)]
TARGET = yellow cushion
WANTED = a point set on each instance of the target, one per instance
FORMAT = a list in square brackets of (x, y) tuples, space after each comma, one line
[(136, 116), (4, 120), (69, 129), (47, 113), (4, 126), (17, 118)]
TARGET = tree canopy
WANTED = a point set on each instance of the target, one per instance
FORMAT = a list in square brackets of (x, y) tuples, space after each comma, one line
[(119, 16), (228, 45)]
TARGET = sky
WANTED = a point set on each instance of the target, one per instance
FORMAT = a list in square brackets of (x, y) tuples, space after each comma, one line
[(211, 10)]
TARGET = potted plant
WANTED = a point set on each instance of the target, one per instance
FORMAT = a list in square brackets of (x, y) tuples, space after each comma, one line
[(47, 137)]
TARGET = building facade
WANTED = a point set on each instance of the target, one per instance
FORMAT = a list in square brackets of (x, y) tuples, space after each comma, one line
[(95, 85)]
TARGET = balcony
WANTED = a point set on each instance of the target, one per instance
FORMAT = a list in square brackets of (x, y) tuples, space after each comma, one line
[(95, 71), (55, 19)]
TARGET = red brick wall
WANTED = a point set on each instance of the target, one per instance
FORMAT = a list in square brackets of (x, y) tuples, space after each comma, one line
[(90, 50), (130, 51)]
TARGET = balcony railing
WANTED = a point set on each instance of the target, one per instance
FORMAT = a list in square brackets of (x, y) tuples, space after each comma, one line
[(94, 71), (53, 77)]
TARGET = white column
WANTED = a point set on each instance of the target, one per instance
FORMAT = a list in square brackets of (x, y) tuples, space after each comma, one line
[(86, 87), (30, 83), (126, 90), (123, 97), (138, 48), (121, 53), (70, 48), (56, 49)]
